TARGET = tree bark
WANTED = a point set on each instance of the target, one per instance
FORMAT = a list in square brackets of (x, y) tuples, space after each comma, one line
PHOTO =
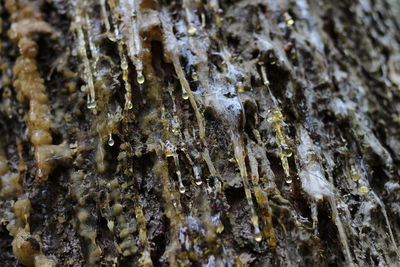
[(199, 133)]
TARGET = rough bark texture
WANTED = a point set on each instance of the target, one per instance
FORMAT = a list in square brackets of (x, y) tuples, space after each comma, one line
[(199, 133)]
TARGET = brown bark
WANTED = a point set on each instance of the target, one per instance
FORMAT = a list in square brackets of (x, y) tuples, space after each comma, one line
[(191, 133)]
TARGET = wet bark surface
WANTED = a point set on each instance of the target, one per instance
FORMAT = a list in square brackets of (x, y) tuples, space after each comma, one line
[(199, 133)]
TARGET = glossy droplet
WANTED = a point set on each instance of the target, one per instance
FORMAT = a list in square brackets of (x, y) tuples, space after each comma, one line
[(354, 176), (197, 177), (169, 149), (140, 77), (185, 95), (363, 189), (182, 189), (124, 65), (125, 76), (192, 30), (257, 236), (195, 77), (91, 104), (129, 104), (169, 153), (286, 151), (240, 87), (290, 22), (110, 140), (220, 228)]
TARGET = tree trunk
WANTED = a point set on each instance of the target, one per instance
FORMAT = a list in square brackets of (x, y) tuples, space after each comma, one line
[(199, 133)]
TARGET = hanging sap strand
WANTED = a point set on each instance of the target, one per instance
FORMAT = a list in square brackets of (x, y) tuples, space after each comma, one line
[(125, 73), (276, 119), (192, 30), (91, 102), (92, 47), (126, 30), (196, 168), (197, 177), (170, 151), (129, 20), (263, 73), (240, 159)]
